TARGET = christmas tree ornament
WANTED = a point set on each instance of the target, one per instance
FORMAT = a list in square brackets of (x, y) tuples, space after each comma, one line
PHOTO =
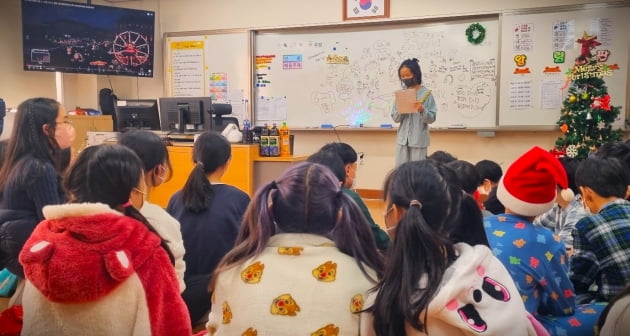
[(558, 152), (593, 148), (584, 95), (572, 99), (588, 42), (589, 116), (564, 128), (572, 151), (602, 102), (601, 125), (475, 33)]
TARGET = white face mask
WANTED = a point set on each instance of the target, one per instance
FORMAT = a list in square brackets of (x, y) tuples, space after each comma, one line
[(64, 135), (586, 208)]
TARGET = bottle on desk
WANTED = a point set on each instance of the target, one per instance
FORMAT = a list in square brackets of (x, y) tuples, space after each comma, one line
[(285, 144), (264, 141), (274, 141), (247, 132)]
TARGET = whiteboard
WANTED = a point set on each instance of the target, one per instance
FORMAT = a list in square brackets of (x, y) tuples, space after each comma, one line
[(531, 98), (210, 63), (348, 75)]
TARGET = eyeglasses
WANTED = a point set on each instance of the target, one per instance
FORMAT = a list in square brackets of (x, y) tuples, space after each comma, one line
[(66, 121)]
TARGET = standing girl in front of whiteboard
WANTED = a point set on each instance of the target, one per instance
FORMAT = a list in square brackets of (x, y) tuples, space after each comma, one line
[(413, 132)]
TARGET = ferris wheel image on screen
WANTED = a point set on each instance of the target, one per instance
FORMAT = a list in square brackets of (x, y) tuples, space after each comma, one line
[(131, 48)]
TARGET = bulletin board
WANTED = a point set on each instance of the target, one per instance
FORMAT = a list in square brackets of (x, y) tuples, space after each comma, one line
[(537, 50), (213, 63), (347, 75)]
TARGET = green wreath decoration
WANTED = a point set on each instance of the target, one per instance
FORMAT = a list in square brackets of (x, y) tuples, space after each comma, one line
[(470, 32)]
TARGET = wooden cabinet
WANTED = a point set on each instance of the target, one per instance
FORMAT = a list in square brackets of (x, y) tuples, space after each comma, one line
[(83, 124), (246, 170), (238, 174)]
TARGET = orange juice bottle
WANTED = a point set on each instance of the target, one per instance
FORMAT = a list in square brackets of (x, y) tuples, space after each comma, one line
[(285, 146)]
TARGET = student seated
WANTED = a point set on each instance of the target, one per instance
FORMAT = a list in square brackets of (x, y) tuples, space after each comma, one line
[(469, 180), (95, 265), (157, 167), (210, 214), (331, 161), (350, 158), (432, 285), (602, 241), (535, 257), (563, 216), (442, 157), (619, 150), (304, 261), (490, 173)]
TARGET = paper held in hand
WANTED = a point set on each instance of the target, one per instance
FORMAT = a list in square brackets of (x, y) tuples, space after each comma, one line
[(405, 101)]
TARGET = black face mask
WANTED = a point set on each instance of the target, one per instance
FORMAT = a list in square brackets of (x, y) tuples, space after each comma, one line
[(409, 82)]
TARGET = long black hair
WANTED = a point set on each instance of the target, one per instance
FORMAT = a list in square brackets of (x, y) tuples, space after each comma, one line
[(29, 138), (149, 147), (306, 198), (210, 152), (414, 65), (423, 245), (107, 174)]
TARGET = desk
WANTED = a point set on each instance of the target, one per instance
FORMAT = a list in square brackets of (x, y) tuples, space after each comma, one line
[(84, 124), (267, 169), (246, 170)]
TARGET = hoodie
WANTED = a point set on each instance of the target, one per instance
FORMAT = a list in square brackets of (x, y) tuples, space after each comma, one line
[(91, 270), (477, 297)]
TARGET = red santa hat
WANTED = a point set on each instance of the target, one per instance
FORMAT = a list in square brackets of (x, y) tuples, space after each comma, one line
[(529, 185)]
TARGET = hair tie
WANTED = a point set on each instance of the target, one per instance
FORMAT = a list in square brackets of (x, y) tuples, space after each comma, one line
[(126, 205), (415, 202), (199, 163), (273, 185)]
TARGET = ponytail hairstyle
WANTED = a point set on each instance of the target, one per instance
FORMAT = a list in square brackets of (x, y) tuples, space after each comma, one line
[(306, 198), (422, 249), (210, 152), (107, 174), (414, 65)]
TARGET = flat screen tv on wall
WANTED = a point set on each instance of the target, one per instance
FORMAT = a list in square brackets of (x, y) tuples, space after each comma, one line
[(90, 39)]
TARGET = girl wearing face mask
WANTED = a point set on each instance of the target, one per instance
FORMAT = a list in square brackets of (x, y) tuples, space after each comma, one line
[(151, 150), (413, 132), (30, 174)]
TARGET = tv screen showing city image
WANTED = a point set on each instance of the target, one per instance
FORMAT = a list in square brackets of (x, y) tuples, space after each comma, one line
[(81, 38)]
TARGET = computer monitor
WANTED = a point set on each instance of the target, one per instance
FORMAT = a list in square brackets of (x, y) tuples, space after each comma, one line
[(185, 114), (137, 114)]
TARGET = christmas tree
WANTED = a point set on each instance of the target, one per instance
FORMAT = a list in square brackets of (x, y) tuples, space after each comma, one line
[(587, 116)]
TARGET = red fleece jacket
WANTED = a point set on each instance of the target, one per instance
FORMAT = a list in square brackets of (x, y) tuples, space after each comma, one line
[(82, 252)]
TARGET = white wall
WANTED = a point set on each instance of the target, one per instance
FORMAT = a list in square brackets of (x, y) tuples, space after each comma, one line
[(189, 15)]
